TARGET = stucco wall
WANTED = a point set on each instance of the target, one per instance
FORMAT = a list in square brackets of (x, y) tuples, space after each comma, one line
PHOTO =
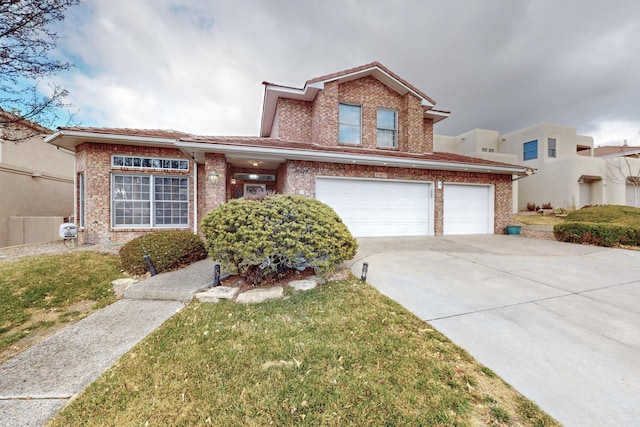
[(36, 180)]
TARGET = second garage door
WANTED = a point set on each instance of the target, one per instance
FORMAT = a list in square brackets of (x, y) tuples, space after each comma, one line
[(379, 207), (468, 209)]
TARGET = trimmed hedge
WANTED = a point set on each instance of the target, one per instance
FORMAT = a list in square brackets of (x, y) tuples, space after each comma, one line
[(169, 250), (599, 234), (263, 238), (604, 225)]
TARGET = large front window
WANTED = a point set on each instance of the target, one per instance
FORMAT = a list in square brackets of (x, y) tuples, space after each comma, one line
[(143, 201), (387, 125), (350, 124)]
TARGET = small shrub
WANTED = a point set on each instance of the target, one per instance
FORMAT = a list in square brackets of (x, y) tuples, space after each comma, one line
[(261, 239), (531, 207), (169, 250), (547, 206), (560, 211)]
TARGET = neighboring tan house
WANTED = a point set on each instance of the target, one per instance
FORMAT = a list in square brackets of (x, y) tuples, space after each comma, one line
[(622, 173), (360, 140), (566, 172), (36, 187)]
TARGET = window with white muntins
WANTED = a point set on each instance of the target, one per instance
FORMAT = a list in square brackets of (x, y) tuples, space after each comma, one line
[(350, 124), (144, 201), (387, 128)]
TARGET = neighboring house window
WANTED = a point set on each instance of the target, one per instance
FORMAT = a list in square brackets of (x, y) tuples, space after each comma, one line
[(142, 201), (531, 150), (551, 147), (487, 150), (387, 125), (149, 163), (81, 199), (350, 124)]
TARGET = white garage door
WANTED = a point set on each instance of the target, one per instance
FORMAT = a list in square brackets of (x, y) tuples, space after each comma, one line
[(379, 207), (468, 209)]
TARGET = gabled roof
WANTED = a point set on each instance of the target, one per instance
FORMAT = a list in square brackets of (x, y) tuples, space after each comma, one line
[(312, 87), (609, 151)]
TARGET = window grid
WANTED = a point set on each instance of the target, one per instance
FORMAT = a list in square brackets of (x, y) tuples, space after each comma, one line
[(149, 163), (132, 201), (530, 151), (350, 124), (387, 128), (551, 147)]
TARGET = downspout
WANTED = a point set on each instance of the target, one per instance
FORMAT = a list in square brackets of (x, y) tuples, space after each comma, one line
[(195, 197)]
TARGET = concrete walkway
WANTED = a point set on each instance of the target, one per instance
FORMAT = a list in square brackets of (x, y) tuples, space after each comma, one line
[(559, 322), (37, 383)]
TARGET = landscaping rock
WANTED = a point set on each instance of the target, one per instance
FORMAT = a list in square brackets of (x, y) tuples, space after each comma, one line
[(120, 285), (338, 275), (306, 284), (260, 295), (217, 293)]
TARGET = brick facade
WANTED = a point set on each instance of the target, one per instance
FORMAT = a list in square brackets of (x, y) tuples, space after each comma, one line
[(317, 121), (309, 126), (299, 177), (94, 161)]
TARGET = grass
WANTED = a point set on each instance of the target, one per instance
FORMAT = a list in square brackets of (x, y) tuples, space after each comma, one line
[(537, 219), (40, 292), (625, 216), (342, 354)]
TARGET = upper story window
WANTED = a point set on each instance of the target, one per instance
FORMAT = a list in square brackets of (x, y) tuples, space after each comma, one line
[(530, 150), (387, 125), (350, 124), (551, 147)]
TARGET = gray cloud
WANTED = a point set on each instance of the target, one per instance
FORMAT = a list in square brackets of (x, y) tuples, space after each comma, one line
[(496, 64)]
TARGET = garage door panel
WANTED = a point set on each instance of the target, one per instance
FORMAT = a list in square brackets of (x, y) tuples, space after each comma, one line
[(468, 209), (376, 207)]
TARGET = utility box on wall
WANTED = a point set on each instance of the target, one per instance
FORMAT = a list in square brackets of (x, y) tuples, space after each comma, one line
[(68, 230)]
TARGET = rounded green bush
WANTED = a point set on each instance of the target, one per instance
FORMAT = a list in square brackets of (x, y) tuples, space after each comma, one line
[(168, 250), (263, 238)]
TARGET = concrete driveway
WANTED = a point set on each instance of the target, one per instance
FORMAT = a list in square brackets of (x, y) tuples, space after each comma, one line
[(557, 321)]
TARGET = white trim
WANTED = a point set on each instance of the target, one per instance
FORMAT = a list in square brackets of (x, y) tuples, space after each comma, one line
[(491, 197), (280, 154), (195, 198), (430, 185)]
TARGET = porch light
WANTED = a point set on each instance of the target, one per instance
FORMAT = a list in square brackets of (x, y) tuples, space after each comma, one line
[(581, 180), (212, 177)]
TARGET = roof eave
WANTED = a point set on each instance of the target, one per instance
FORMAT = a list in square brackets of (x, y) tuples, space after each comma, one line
[(197, 151), (69, 139)]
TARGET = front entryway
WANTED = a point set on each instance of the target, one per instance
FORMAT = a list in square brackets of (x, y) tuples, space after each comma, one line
[(371, 207)]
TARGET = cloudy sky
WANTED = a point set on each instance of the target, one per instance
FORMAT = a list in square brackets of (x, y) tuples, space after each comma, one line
[(198, 66)]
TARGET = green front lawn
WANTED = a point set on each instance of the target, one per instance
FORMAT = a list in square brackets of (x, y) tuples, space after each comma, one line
[(342, 354), (40, 292)]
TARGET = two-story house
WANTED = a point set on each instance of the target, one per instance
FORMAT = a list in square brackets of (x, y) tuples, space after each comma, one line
[(360, 140), (567, 172)]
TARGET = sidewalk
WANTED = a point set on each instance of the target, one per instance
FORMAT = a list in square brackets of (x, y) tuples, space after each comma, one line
[(37, 383)]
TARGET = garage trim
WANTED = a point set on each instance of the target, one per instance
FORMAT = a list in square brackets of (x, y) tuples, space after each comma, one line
[(471, 213), (372, 198)]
